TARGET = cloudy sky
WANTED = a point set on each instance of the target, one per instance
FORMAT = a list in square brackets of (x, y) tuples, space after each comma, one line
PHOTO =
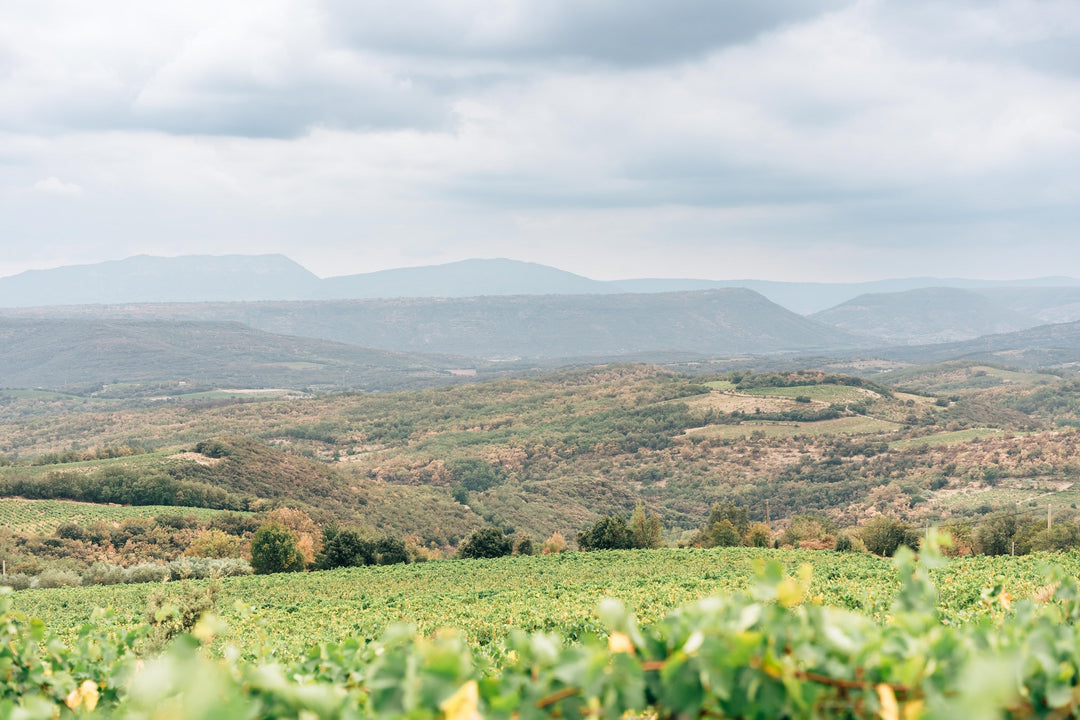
[(778, 139)]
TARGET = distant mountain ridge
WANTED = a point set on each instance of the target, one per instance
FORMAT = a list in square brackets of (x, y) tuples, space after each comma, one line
[(728, 321), (925, 315), (250, 278), (66, 352)]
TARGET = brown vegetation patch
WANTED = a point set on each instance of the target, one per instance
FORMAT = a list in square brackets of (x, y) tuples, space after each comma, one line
[(205, 460)]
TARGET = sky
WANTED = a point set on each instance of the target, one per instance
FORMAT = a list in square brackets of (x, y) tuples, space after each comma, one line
[(824, 140)]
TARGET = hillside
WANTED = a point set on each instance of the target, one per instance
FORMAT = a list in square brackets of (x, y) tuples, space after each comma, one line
[(555, 452), (1047, 304), (1038, 347), (83, 354), (924, 316), (711, 322)]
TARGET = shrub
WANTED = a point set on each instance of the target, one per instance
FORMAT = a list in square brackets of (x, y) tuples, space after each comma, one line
[(147, 573), (274, 549), (198, 568), (101, 573), (524, 546), (17, 581), (70, 531), (487, 542), (758, 535), (215, 543), (54, 578), (390, 551), (554, 544)]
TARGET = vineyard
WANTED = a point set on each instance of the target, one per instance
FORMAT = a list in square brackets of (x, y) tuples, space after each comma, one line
[(555, 593), (44, 516), (777, 649)]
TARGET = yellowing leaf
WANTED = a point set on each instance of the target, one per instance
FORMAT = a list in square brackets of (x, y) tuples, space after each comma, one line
[(913, 710), (890, 709), (86, 694), (619, 643), (464, 704)]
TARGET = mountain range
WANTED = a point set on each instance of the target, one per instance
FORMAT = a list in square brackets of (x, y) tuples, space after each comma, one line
[(231, 278)]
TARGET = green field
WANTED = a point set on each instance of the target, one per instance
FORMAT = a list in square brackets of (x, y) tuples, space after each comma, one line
[(821, 393), (840, 426), (946, 438), (44, 516), (485, 598)]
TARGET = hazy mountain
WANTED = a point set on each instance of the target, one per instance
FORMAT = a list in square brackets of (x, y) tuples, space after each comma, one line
[(713, 322), (467, 278), (1042, 346), (926, 315), (142, 279), (47, 352), (1047, 304), (146, 279)]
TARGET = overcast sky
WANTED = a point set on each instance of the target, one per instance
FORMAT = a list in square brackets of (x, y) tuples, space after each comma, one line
[(775, 139)]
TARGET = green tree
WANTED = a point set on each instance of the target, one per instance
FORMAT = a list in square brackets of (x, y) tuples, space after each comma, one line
[(274, 549), (645, 529), (344, 548), (884, 535), (723, 534), (608, 533), (487, 542), (996, 533)]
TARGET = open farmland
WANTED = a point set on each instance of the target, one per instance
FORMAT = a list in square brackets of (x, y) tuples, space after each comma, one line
[(44, 516), (484, 599)]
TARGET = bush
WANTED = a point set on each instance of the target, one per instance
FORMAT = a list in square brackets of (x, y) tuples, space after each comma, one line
[(524, 546), (17, 581), (215, 543), (54, 578), (487, 542), (101, 573), (884, 535), (758, 535), (198, 568), (390, 551), (147, 573), (274, 549), (554, 544)]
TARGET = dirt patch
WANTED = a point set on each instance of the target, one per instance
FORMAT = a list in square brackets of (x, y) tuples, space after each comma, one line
[(731, 402), (197, 457)]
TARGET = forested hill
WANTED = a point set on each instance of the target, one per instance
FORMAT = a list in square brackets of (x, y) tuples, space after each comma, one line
[(730, 321), (45, 352)]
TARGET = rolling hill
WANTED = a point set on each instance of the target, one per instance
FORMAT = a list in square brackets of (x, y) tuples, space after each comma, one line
[(65, 353), (925, 315), (712, 322), (1038, 347)]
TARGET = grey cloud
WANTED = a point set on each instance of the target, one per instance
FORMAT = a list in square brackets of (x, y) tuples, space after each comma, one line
[(621, 32)]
